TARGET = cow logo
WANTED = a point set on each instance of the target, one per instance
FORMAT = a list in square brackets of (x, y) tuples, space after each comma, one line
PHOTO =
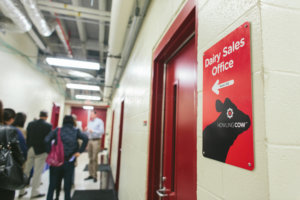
[(220, 135), (229, 113)]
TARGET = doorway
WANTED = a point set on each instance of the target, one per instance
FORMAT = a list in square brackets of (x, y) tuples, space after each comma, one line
[(172, 173)]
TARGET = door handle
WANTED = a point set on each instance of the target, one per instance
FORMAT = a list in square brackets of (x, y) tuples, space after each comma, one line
[(161, 192)]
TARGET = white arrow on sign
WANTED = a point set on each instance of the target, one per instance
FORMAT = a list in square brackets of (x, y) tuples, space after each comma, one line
[(218, 86)]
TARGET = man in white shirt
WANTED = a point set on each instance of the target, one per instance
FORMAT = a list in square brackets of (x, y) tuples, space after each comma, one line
[(95, 130)]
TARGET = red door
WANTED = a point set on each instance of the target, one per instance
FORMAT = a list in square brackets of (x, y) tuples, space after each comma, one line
[(178, 170), (55, 115), (120, 146)]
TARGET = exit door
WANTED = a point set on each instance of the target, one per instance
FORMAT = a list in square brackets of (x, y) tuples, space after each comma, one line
[(178, 156)]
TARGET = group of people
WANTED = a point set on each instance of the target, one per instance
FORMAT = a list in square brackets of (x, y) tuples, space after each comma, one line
[(35, 143)]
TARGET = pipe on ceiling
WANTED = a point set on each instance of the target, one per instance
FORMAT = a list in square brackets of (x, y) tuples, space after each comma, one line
[(60, 31), (102, 7), (120, 15), (20, 22), (37, 18), (113, 76), (63, 38), (10, 9), (81, 29)]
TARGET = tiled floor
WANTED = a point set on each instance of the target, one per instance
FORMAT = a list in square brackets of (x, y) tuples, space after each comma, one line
[(104, 182)]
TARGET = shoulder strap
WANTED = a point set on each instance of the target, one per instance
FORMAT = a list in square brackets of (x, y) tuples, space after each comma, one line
[(58, 135)]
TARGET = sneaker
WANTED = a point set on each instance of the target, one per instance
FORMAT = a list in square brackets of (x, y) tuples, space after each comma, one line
[(22, 195), (95, 180), (88, 178), (38, 196)]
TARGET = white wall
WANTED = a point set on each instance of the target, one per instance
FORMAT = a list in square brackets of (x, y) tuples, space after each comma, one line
[(135, 87), (275, 47), (281, 47), (22, 87), (216, 180)]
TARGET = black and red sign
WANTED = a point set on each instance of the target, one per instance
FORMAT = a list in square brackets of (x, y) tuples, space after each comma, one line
[(227, 100)]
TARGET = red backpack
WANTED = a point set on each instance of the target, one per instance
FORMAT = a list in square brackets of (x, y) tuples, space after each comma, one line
[(56, 156)]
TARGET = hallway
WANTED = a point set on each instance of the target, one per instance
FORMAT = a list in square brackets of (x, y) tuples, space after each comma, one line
[(86, 190), (199, 98)]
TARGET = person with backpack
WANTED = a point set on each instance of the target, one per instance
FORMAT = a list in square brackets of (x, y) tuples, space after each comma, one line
[(68, 136)]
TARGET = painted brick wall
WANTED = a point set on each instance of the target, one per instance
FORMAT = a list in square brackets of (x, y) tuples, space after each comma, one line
[(135, 87), (217, 180), (275, 45), (281, 47)]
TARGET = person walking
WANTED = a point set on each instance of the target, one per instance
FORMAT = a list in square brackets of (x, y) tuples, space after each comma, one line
[(69, 136), (94, 130), (36, 156), (9, 194)]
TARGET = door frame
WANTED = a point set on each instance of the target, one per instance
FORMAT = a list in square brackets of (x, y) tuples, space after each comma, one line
[(183, 26), (120, 146), (111, 135)]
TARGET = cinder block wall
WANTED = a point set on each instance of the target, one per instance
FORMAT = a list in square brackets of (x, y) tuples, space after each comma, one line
[(275, 47), (216, 180), (281, 48)]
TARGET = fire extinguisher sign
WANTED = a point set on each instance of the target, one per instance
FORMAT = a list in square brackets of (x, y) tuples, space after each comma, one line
[(227, 100)]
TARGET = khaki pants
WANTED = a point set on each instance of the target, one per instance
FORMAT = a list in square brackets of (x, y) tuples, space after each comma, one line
[(93, 150), (38, 162)]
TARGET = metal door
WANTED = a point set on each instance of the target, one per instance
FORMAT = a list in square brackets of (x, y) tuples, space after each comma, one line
[(179, 151)]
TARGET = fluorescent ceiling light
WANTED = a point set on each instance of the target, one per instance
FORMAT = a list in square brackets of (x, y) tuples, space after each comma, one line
[(88, 107), (96, 98), (80, 74), (83, 87), (62, 62)]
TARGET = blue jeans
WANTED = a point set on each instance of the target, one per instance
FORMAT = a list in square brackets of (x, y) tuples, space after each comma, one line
[(56, 173)]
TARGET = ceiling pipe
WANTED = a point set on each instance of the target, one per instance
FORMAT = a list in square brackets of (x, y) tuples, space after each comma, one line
[(38, 41), (20, 22), (131, 36), (60, 31), (102, 7), (120, 15), (72, 10), (81, 29), (37, 18), (7, 25), (11, 10)]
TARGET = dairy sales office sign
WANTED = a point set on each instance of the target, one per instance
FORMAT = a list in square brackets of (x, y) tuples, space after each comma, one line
[(227, 100)]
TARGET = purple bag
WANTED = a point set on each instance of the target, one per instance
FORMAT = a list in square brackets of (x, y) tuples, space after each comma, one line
[(56, 156)]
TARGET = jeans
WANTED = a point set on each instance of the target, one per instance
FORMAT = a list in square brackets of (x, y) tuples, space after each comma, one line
[(65, 171)]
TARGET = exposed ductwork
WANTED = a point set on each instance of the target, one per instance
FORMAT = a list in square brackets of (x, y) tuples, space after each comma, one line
[(7, 25), (63, 38), (119, 46), (120, 15), (10, 9), (102, 7), (20, 23), (37, 18)]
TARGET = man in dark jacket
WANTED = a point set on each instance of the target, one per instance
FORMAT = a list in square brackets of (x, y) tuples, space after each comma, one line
[(36, 133)]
